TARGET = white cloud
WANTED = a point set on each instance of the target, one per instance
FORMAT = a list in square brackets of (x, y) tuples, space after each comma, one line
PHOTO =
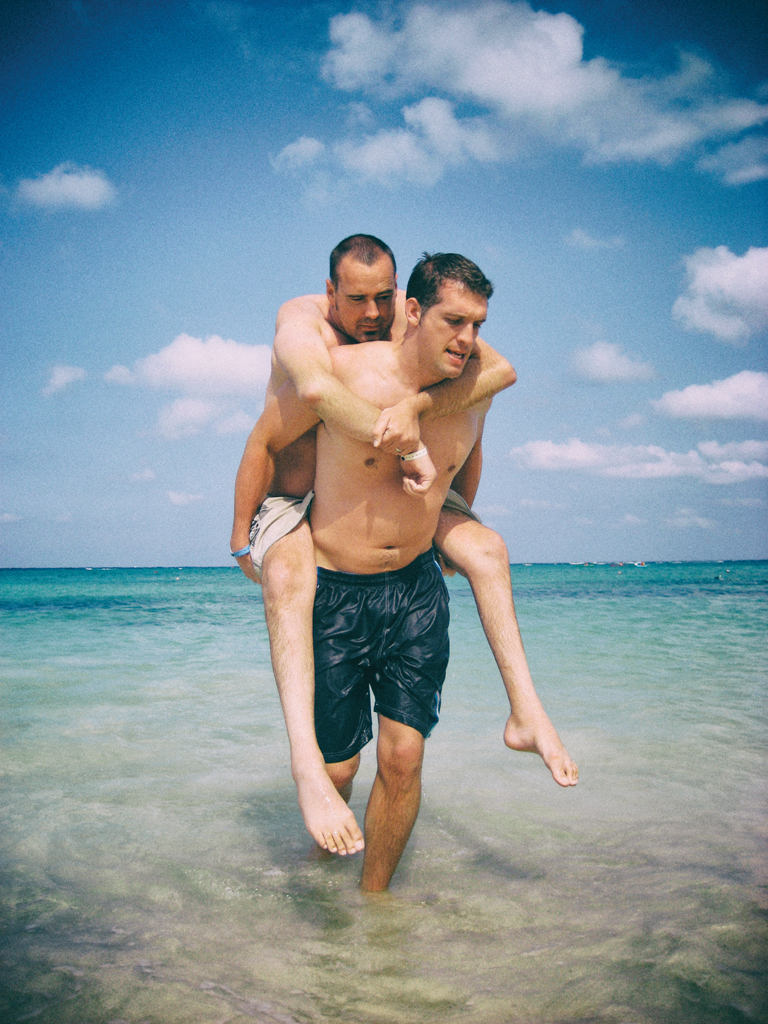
[(631, 520), (68, 186), (734, 450), (432, 139), (145, 476), (301, 153), (743, 396), (61, 377), (9, 517), (726, 295), (180, 498), (185, 417), (604, 363), (646, 462), (526, 71), (739, 163), (684, 518), (197, 367), (581, 239)]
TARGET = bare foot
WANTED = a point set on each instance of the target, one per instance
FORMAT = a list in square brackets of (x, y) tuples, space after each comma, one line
[(537, 735), (328, 819)]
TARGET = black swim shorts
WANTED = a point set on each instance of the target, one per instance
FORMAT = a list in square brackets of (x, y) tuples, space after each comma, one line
[(387, 631)]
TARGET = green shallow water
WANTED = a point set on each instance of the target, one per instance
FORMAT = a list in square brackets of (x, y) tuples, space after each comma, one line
[(154, 864)]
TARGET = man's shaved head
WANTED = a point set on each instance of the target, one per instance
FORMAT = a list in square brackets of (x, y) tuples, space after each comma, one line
[(365, 249)]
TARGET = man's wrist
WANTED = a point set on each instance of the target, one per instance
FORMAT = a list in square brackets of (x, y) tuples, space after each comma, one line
[(421, 402)]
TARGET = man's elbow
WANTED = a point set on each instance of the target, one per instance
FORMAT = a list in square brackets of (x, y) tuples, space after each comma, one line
[(508, 375), (311, 391)]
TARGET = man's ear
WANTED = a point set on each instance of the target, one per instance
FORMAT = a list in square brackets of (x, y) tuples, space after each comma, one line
[(330, 291), (413, 311)]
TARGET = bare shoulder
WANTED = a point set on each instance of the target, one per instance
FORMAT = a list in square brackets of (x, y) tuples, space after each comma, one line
[(304, 306), (306, 314)]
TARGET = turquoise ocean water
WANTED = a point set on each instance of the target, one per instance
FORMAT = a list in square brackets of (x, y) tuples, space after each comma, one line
[(154, 864)]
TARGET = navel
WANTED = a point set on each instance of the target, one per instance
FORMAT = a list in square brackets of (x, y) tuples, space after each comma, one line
[(451, 468), (370, 462)]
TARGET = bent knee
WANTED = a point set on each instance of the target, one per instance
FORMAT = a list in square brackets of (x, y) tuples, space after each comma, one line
[(401, 760), (342, 773), (289, 565), (482, 551)]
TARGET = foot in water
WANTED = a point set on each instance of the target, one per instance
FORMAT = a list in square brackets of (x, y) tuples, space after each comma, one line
[(536, 734), (327, 817)]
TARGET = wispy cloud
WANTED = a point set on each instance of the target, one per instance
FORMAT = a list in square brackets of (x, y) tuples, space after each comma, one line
[(743, 396), (68, 186), (232, 18), (635, 419), (524, 73), (61, 377), (684, 518), (180, 498), (605, 363), (710, 462), (631, 520), (739, 163), (581, 239), (301, 153), (726, 295)]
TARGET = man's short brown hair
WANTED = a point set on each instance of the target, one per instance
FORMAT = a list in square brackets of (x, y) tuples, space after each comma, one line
[(431, 273), (365, 249)]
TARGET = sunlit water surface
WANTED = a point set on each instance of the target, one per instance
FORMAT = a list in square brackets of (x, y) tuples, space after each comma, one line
[(155, 867)]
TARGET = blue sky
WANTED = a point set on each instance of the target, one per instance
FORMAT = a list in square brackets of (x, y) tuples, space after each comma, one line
[(172, 172)]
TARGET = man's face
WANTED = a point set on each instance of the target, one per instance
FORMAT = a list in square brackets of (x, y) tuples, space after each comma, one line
[(362, 303), (447, 331)]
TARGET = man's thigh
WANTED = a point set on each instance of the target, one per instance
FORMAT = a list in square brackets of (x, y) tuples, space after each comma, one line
[(411, 670), (344, 634), (343, 723), (275, 520), (458, 537)]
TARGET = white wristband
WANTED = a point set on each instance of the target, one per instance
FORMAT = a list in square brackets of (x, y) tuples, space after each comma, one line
[(414, 455)]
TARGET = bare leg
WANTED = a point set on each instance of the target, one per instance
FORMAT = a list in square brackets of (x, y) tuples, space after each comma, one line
[(481, 555), (394, 802), (289, 582)]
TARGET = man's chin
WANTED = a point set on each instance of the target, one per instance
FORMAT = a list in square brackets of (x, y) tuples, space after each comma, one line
[(456, 366)]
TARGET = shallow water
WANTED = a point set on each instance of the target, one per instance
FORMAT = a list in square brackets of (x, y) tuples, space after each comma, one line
[(154, 863)]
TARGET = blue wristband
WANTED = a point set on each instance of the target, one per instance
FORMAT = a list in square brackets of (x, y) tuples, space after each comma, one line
[(241, 552)]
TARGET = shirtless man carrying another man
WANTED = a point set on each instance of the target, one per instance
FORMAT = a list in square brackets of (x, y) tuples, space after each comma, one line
[(311, 380)]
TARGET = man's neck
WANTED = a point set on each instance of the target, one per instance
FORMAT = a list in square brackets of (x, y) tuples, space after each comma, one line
[(408, 365)]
